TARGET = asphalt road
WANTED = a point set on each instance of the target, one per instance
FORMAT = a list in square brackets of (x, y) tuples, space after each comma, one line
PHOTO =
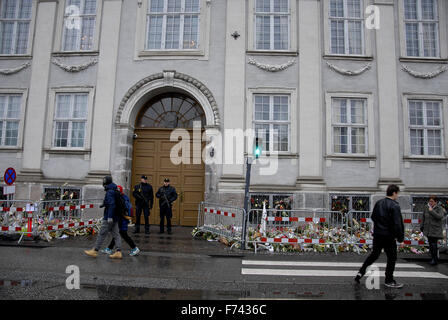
[(178, 267)]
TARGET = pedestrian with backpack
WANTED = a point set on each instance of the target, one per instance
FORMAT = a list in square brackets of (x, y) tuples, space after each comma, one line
[(109, 224), (123, 224)]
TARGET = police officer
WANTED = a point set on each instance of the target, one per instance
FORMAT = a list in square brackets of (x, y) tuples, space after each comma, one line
[(144, 199), (166, 195)]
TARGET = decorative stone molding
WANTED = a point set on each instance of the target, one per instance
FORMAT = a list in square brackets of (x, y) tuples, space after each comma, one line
[(271, 68), (167, 76), (16, 69), (78, 68), (422, 75), (346, 72)]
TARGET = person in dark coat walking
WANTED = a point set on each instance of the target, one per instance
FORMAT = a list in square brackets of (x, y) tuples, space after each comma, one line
[(388, 228), (144, 199), (166, 195), (123, 226), (109, 223), (432, 227)]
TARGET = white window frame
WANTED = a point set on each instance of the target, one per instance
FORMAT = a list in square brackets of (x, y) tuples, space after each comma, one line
[(292, 30), (442, 46), (199, 53), (21, 119), (51, 127), (366, 35), (369, 126), (271, 15), (60, 30), (444, 134), (250, 116), (30, 32)]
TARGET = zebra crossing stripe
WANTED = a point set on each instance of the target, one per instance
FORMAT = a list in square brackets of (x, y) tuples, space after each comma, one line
[(324, 264)]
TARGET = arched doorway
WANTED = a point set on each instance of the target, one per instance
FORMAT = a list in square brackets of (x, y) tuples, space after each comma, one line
[(151, 153)]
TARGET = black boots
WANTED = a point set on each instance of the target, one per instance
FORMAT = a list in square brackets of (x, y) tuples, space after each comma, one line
[(434, 251), (137, 229)]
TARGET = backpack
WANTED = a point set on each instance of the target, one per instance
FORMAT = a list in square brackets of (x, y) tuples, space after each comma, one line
[(120, 205)]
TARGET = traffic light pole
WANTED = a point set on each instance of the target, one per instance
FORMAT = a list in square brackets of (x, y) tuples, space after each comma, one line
[(246, 201)]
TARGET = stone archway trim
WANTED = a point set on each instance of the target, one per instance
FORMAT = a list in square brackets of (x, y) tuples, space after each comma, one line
[(175, 75)]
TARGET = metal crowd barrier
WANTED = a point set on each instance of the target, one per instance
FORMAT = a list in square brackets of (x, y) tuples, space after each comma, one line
[(24, 217), (300, 227), (221, 220)]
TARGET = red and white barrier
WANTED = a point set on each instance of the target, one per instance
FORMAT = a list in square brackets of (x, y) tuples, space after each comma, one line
[(220, 212)]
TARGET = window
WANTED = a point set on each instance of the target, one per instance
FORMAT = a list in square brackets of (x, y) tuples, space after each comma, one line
[(273, 201), (420, 202), (346, 24), (272, 24), (79, 25), (10, 113), (349, 125), (58, 193), (345, 203), (70, 120), (421, 26), (15, 20), (172, 25), (425, 127), (272, 121)]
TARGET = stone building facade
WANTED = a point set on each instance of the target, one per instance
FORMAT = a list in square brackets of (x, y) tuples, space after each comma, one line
[(355, 107)]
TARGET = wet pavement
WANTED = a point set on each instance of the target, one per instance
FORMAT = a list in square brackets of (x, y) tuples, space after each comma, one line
[(178, 267)]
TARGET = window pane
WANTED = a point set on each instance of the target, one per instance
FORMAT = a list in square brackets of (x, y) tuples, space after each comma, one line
[(429, 9), (174, 6), (339, 110), (190, 32), (25, 9), (155, 6), (416, 113), (280, 136), (9, 9), (263, 6), (191, 5), (3, 100), (281, 26), (261, 107), (63, 106), (172, 32), (410, 9), (7, 29), (263, 32), (354, 8), (355, 37), (87, 32), (80, 106), (71, 34), (1, 133), (417, 142), (358, 140), (12, 132), (429, 39), (337, 37), (337, 8), (14, 107), (61, 134), (434, 142), (357, 111), (281, 6), (154, 32), (281, 108), (412, 39), (76, 3), (340, 140), (262, 132), (90, 7), (433, 114), (22, 37), (78, 134)]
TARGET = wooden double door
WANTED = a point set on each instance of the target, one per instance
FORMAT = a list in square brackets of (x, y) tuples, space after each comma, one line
[(151, 157)]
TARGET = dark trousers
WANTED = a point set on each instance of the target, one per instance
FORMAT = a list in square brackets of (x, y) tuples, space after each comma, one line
[(433, 248), (124, 235), (138, 214), (390, 247), (165, 213)]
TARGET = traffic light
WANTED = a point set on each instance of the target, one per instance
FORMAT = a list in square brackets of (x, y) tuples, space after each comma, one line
[(257, 150)]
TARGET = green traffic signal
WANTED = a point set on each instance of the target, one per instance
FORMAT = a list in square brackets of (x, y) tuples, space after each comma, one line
[(257, 149)]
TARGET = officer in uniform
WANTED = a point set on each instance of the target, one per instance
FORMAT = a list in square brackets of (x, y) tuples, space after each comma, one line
[(166, 195), (144, 199)]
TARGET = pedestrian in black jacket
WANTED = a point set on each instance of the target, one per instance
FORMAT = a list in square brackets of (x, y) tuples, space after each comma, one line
[(166, 195), (144, 199), (388, 229)]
